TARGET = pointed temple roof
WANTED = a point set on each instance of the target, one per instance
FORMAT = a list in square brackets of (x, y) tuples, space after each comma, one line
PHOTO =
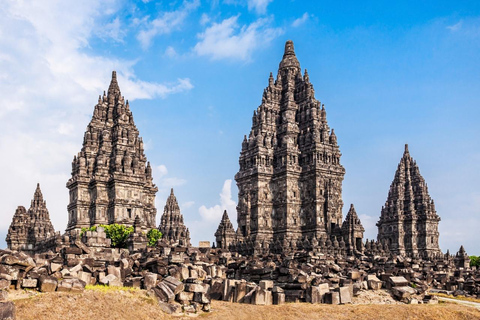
[(225, 225), (408, 195), (352, 220), (289, 58), (30, 228), (172, 225)]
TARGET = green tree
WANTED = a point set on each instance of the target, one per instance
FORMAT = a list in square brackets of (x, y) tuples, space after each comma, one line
[(475, 261), (153, 235), (118, 233)]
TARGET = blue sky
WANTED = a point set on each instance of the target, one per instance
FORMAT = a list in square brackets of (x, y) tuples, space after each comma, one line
[(194, 71)]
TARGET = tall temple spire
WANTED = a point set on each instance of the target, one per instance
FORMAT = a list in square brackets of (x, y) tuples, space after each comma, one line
[(289, 58), (114, 89), (290, 177), (171, 225), (111, 181), (408, 221)]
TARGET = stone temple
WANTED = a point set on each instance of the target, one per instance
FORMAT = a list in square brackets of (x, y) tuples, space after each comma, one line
[(30, 230), (409, 222), (111, 179), (290, 177), (171, 225)]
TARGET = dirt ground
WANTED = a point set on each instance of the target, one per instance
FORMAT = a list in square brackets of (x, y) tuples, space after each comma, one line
[(93, 304)]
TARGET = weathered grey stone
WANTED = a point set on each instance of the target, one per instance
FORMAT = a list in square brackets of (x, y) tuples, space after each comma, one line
[(175, 285), (48, 284), (266, 284), (345, 295), (332, 298), (7, 311), (29, 283), (150, 281)]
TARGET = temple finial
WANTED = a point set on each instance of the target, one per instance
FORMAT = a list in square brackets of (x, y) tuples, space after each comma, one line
[(114, 89)]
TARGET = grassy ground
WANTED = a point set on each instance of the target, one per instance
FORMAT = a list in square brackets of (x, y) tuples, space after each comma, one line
[(105, 303)]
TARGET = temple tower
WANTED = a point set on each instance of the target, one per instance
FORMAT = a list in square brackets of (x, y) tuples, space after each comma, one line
[(352, 231), (290, 177), (408, 221), (171, 225), (111, 179), (30, 230), (225, 234)]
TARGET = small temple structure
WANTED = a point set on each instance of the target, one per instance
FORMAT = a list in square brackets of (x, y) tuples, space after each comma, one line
[(409, 222), (171, 225), (31, 230)]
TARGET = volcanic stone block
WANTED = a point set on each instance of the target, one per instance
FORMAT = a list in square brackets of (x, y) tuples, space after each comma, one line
[(150, 281), (216, 289), (29, 283), (403, 293), (200, 297), (175, 285), (7, 311), (164, 293), (373, 282), (345, 295), (332, 298), (397, 282), (185, 296), (278, 297), (48, 284), (240, 292), (266, 284), (64, 286)]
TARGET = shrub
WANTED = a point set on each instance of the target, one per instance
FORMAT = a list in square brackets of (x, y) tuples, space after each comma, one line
[(475, 261), (118, 233), (153, 235)]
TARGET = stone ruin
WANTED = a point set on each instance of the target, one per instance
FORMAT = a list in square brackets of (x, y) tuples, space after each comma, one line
[(291, 245), (171, 225), (111, 179)]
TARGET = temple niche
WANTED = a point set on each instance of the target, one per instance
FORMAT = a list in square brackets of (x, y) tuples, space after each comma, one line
[(31, 231), (409, 222), (111, 179)]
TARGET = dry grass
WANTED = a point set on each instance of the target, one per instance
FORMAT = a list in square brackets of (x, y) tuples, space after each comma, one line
[(119, 304), (463, 298)]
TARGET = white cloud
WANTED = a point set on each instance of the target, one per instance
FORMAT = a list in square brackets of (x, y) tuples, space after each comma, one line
[(230, 40), (187, 204), (48, 87), (162, 171), (259, 6), (457, 26), (114, 30), (166, 22), (170, 52), (214, 214), (204, 19), (298, 22)]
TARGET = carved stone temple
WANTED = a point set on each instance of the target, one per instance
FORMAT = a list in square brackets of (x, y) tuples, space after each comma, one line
[(30, 229), (225, 234), (290, 177), (111, 179), (409, 222), (171, 225)]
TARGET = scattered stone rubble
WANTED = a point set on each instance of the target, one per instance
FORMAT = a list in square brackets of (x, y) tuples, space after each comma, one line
[(185, 279)]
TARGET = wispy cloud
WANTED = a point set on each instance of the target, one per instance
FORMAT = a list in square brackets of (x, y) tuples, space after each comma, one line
[(259, 6), (455, 27), (298, 22), (214, 214), (228, 39), (166, 22)]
